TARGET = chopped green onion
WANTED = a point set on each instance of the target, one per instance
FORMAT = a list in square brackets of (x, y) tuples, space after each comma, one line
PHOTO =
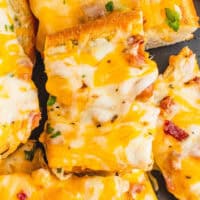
[(51, 101), (12, 28), (6, 27), (59, 170), (173, 19), (9, 27), (109, 6), (29, 155), (49, 128), (11, 75), (56, 134)]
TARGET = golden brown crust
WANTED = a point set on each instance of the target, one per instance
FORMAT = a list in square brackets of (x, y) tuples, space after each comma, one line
[(102, 27), (17, 162), (25, 26), (189, 13)]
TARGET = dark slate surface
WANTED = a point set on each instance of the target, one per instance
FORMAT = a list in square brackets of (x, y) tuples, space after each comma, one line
[(160, 55)]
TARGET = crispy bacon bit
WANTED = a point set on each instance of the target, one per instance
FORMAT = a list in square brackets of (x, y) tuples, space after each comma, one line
[(135, 52), (22, 196), (166, 103), (136, 188), (134, 40), (169, 182), (171, 129), (195, 80), (35, 119), (146, 94), (84, 85), (98, 125), (114, 118)]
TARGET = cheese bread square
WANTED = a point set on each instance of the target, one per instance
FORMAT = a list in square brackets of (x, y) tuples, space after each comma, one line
[(24, 175), (100, 80), (168, 22), (19, 106), (177, 142), (42, 185)]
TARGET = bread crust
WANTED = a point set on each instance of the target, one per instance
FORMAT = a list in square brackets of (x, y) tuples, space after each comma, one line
[(25, 26), (189, 13), (130, 22)]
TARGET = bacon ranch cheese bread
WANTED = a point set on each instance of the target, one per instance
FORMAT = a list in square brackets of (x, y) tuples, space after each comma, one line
[(19, 106), (25, 159), (95, 73), (177, 143), (165, 22), (41, 185)]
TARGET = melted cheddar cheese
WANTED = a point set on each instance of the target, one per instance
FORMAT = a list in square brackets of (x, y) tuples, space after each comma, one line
[(179, 160), (18, 96), (57, 15), (42, 185), (96, 123)]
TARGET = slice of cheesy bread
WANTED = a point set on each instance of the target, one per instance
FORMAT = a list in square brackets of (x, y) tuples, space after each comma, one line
[(19, 105), (23, 24), (25, 159), (177, 143), (165, 22), (42, 185), (24, 175), (99, 78)]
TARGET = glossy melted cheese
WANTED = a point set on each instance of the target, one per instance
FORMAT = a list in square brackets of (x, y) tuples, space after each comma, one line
[(179, 161), (18, 96), (102, 126), (57, 15), (42, 185)]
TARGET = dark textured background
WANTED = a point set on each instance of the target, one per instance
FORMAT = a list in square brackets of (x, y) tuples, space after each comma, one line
[(160, 55)]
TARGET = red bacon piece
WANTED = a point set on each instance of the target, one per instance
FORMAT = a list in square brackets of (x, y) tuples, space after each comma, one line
[(136, 189), (195, 80), (171, 129), (166, 103), (146, 93), (135, 51), (22, 196)]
